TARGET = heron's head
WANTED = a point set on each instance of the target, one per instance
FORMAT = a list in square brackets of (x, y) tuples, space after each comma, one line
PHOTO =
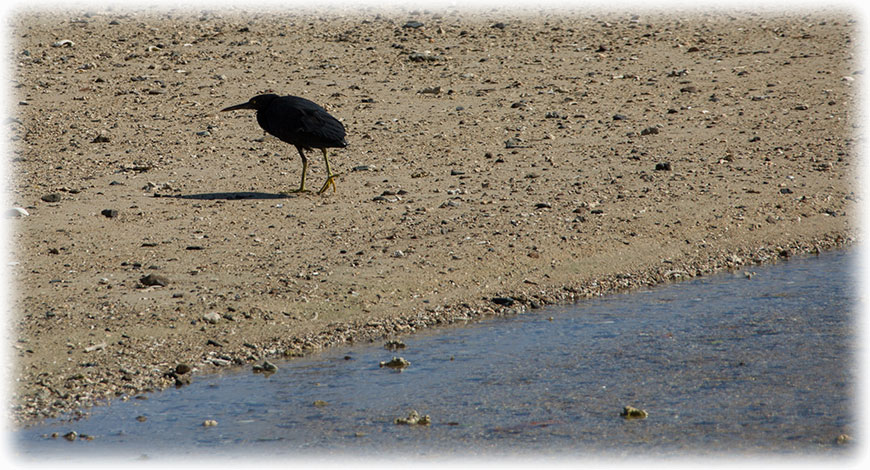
[(258, 102)]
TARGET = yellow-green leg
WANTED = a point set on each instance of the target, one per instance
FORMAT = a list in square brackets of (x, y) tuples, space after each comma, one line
[(304, 170), (329, 175)]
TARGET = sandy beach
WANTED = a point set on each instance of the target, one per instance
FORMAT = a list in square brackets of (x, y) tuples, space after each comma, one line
[(499, 161)]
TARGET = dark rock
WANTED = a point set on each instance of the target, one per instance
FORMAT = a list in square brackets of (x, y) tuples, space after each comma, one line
[(413, 24), (650, 131), (110, 213), (395, 363), (154, 280), (619, 117), (53, 197), (665, 166), (506, 301)]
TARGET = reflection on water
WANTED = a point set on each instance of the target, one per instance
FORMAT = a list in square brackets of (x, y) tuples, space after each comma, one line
[(721, 364)]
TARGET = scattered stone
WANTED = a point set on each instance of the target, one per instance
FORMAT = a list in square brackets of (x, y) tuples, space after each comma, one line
[(63, 43), (209, 423), (211, 317), (620, 117), (110, 213), (71, 436), (53, 197), (543, 205), (689, 89), (425, 56), (141, 418), (320, 403), (506, 301), (182, 369), (394, 344), (414, 418), (652, 130), (100, 139), (499, 25), (413, 24), (664, 166), (96, 347), (265, 368), (514, 143), (154, 280), (843, 439), (395, 363), (630, 412)]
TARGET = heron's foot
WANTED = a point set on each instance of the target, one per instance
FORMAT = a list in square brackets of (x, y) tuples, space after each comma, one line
[(330, 181), (294, 191)]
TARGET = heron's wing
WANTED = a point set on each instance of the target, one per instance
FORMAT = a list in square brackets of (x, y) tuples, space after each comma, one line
[(301, 122)]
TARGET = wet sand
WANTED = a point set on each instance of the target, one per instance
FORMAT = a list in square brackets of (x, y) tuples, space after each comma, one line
[(535, 157)]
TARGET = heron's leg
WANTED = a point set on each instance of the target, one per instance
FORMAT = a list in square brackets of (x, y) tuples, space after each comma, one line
[(304, 170), (329, 175)]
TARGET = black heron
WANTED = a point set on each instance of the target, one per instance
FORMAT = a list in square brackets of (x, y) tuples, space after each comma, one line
[(299, 122)]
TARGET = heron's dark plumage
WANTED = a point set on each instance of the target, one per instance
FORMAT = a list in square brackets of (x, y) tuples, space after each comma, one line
[(300, 122)]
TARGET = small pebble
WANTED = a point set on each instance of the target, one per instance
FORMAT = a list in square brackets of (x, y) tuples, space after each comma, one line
[(209, 423), (630, 412), (414, 418), (154, 280), (211, 317), (394, 344), (110, 213), (396, 363), (506, 301), (53, 197)]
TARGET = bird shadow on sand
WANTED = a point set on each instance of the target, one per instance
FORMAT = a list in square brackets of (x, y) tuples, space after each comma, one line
[(228, 196)]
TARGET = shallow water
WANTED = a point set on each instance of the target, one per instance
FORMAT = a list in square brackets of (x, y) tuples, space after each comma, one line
[(722, 364)]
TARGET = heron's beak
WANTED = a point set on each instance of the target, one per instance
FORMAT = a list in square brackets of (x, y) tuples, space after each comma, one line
[(247, 105)]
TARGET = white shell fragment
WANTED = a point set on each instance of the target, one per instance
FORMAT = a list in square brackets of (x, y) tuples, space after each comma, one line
[(16, 212)]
